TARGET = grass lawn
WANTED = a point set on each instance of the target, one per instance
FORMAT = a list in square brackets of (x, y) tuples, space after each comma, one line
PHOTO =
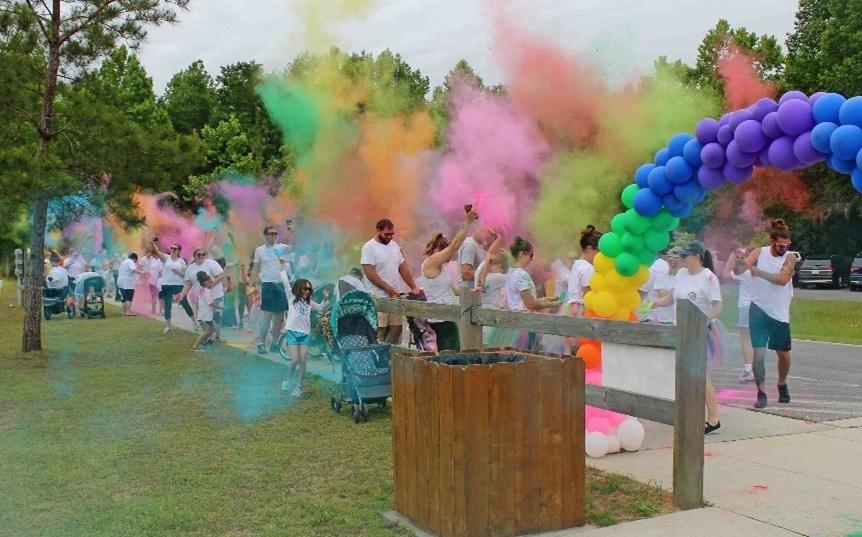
[(116, 429), (818, 320)]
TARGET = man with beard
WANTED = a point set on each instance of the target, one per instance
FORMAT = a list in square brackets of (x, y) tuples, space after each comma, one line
[(384, 267)]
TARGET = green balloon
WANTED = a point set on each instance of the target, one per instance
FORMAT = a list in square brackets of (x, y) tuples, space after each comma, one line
[(610, 244), (628, 195), (627, 264), (635, 223), (632, 243), (656, 240), (664, 221), (646, 257), (618, 224)]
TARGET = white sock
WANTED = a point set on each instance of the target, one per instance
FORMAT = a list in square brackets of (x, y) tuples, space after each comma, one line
[(747, 368)]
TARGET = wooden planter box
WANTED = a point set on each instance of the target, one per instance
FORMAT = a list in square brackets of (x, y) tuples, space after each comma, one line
[(489, 450)]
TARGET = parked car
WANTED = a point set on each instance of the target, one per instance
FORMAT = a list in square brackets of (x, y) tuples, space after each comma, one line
[(800, 257), (856, 273), (832, 270)]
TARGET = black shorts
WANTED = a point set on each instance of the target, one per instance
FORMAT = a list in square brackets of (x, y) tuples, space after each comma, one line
[(766, 331), (127, 294), (272, 297)]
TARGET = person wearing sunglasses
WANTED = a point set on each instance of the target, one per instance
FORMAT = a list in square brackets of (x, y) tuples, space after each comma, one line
[(298, 327), (202, 263), (772, 268), (173, 271), (273, 296)]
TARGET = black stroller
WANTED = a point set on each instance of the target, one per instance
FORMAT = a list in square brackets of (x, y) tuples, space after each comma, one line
[(56, 301), (365, 373), (91, 286), (422, 336)]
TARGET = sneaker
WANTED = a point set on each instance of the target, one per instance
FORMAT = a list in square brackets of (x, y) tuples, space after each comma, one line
[(285, 385), (273, 347), (261, 348), (166, 330), (746, 377), (195, 327), (198, 349), (761, 400), (297, 391), (709, 428), (783, 393)]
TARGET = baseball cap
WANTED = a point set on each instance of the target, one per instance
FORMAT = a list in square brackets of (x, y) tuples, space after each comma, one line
[(692, 248)]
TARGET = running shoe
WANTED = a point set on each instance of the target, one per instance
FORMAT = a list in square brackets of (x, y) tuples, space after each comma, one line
[(783, 393), (746, 377), (285, 385), (709, 428), (761, 400), (273, 347), (297, 391), (261, 348), (166, 330)]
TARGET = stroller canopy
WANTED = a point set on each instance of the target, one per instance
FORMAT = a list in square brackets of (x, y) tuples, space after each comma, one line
[(89, 279), (351, 304)]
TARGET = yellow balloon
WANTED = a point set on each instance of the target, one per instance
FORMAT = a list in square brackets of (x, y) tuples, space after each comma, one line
[(640, 277), (599, 282), (629, 299), (605, 304), (602, 263), (616, 281), (588, 300), (622, 314)]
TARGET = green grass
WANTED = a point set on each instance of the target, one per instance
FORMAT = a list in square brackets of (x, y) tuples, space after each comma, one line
[(818, 320), (116, 429)]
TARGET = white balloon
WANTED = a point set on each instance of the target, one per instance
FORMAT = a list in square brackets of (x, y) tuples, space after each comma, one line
[(631, 434), (596, 445), (614, 445)]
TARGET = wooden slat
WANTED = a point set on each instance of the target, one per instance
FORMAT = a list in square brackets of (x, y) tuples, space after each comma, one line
[(574, 458), (421, 451), (690, 397), (550, 403), (399, 437), (415, 308), (526, 451), (447, 465), (504, 403), (470, 334), (432, 466), (644, 334), (634, 404), (476, 457), (460, 500), (410, 429)]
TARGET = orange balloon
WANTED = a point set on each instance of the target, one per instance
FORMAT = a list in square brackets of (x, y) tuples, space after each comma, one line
[(591, 355), (594, 342), (591, 314), (633, 317)]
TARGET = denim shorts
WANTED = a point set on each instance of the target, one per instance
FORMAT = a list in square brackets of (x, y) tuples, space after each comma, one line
[(297, 338)]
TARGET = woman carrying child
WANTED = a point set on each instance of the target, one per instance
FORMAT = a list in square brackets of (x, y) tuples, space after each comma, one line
[(298, 325)]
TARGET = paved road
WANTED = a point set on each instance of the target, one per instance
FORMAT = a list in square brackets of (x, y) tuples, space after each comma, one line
[(825, 381), (828, 294)]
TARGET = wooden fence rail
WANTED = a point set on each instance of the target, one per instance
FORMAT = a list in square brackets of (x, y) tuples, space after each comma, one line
[(685, 413)]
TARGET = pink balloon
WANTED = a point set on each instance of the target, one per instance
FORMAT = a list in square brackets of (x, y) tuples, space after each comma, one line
[(599, 425)]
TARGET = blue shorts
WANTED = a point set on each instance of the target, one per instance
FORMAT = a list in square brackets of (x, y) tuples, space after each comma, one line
[(297, 338)]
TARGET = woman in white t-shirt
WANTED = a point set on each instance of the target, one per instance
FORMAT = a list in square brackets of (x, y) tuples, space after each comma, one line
[(173, 273), (490, 283), (736, 271), (696, 282), (577, 288)]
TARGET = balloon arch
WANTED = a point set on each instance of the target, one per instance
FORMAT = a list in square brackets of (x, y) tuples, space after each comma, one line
[(795, 132)]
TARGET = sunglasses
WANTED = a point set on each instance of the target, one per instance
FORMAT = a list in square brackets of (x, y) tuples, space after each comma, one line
[(174, 248), (307, 289), (782, 246), (200, 255), (271, 233)]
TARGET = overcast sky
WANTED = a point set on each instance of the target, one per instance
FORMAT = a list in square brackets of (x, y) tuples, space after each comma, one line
[(626, 36)]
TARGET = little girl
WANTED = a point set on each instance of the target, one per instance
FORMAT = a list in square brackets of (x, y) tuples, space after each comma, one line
[(206, 308), (298, 326)]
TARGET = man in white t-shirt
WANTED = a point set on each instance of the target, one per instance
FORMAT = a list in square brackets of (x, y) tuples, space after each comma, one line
[(472, 253), (273, 297), (384, 267)]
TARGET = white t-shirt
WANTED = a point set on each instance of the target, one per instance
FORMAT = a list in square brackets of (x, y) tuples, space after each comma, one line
[(76, 265), (579, 278), (517, 280), (701, 288), (211, 267), (662, 314), (492, 293), (266, 261), (59, 278), (174, 271), (745, 282), (470, 253), (773, 299), (126, 276), (205, 304), (153, 265), (385, 258)]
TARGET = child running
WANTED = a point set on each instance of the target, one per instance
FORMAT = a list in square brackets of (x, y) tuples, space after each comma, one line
[(298, 326), (206, 309)]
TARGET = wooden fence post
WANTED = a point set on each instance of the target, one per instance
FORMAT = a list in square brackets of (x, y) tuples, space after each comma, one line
[(688, 432), (470, 334)]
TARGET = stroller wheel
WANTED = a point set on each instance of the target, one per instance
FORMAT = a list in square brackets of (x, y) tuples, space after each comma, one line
[(47, 312), (383, 403), (357, 415), (336, 405), (364, 411)]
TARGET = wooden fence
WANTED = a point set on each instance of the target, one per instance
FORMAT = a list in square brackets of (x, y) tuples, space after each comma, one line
[(686, 413)]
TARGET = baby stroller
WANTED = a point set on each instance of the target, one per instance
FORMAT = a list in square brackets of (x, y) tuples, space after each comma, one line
[(56, 301), (91, 285), (422, 336), (321, 340), (365, 374)]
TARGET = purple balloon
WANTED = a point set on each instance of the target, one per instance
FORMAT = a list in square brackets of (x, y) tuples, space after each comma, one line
[(737, 175), (770, 126), (763, 107), (781, 154), (706, 131), (795, 117), (713, 155), (793, 96), (815, 97), (722, 121), (724, 135), (749, 136), (710, 178), (763, 157), (738, 117), (758, 162), (805, 152), (739, 158)]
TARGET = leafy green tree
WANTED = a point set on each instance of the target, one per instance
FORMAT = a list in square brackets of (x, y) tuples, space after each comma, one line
[(441, 104), (77, 146), (189, 98)]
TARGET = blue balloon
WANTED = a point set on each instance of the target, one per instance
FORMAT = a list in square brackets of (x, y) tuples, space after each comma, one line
[(856, 179), (682, 211), (840, 165), (828, 107), (671, 202), (821, 134), (691, 153), (659, 182), (846, 141), (662, 156), (646, 203), (642, 175), (700, 197), (688, 192), (851, 112), (859, 159), (678, 170), (677, 143)]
